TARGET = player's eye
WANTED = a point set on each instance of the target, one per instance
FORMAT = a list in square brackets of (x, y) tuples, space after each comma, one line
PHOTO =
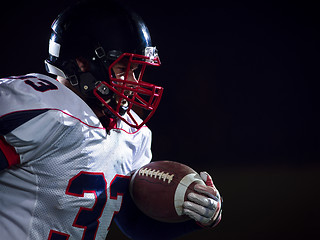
[(120, 71)]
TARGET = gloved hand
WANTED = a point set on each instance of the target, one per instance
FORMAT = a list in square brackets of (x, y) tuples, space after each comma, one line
[(205, 205)]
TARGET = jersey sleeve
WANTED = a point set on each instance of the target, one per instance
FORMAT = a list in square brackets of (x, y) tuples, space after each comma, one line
[(14, 97), (8, 155)]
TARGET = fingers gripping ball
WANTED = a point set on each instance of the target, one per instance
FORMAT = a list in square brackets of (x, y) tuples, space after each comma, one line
[(204, 206), (159, 189)]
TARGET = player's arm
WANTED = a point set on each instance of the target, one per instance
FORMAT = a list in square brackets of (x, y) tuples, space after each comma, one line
[(8, 123), (205, 208), (18, 105), (137, 225)]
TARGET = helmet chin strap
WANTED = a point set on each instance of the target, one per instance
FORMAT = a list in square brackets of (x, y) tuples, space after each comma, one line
[(87, 83), (113, 104)]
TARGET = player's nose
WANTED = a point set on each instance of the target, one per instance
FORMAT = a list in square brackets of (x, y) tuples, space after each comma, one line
[(132, 78)]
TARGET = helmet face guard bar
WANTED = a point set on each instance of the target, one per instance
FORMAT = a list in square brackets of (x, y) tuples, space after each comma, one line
[(130, 93)]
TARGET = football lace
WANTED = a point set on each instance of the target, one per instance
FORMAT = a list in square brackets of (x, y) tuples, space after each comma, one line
[(156, 174)]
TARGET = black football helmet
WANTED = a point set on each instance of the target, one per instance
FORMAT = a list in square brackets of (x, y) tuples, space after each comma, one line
[(105, 33)]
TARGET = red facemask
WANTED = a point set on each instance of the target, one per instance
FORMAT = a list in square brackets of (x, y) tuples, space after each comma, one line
[(130, 93)]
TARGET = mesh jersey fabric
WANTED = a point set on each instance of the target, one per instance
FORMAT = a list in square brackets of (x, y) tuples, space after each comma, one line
[(69, 165)]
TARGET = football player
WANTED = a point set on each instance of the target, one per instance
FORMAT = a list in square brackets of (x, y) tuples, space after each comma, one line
[(68, 147)]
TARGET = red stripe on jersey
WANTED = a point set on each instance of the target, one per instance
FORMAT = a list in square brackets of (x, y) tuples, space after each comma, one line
[(58, 235), (77, 118), (9, 152), (127, 131)]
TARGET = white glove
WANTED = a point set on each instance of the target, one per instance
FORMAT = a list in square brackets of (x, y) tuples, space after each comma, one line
[(205, 207)]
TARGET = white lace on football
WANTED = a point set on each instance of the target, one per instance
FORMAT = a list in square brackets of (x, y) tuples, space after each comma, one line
[(156, 174)]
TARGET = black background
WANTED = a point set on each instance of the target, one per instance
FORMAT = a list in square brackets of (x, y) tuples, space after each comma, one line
[(241, 83)]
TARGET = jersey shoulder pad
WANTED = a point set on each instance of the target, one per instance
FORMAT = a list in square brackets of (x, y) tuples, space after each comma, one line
[(27, 92), (32, 94)]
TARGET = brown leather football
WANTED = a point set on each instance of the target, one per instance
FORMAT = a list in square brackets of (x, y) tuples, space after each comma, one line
[(160, 188)]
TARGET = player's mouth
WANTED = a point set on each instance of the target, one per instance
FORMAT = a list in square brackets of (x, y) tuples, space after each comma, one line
[(124, 103)]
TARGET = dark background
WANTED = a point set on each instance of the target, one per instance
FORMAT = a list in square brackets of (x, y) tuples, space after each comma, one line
[(241, 100)]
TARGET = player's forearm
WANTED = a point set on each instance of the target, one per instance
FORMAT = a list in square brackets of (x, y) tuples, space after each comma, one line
[(136, 225)]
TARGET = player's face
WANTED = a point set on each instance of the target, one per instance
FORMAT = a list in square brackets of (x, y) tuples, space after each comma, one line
[(125, 90), (120, 70)]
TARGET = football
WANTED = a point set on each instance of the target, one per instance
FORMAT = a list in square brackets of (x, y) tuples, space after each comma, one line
[(160, 188)]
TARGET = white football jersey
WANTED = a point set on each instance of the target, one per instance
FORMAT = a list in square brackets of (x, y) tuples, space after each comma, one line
[(71, 172)]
